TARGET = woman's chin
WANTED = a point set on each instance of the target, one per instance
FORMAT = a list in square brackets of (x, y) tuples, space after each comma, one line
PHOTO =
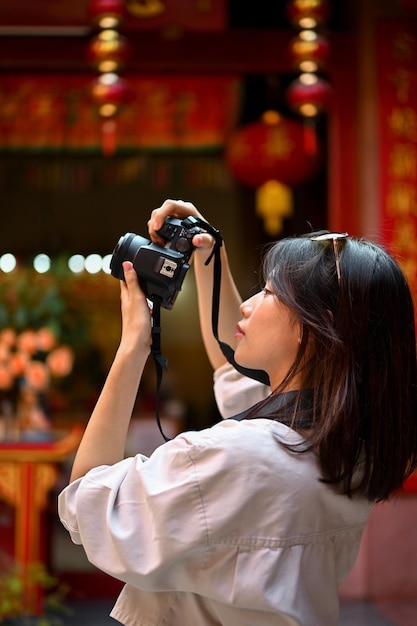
[(244, 362)]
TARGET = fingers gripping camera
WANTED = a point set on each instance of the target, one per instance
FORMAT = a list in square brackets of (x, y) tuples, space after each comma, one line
[(160, 269)]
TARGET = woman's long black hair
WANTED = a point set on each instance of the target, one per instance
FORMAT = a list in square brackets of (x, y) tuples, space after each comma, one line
[(357, 356)]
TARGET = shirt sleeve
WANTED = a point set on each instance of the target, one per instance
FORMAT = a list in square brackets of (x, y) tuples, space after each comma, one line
[(141, 520), (234, 392), (157, 522)]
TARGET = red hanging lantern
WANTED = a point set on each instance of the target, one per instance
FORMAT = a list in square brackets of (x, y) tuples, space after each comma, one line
[(309, 51), (108, 51), (308, 13), (309, 95), (106, 13), (263, 151), (109, 92)]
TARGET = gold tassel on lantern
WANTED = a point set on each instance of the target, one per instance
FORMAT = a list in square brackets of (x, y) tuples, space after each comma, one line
[(274, 202)]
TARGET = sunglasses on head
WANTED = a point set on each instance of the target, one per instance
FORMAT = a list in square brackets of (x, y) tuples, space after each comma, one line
[(334, 238)]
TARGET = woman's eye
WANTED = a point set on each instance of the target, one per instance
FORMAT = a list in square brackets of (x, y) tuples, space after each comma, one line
[(266, 291)]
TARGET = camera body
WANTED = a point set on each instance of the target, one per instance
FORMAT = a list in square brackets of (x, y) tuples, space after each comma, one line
[(160, 269)]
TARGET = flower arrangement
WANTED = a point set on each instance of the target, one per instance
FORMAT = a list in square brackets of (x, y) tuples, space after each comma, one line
[(30, 361), (36, 305), (32, 357)]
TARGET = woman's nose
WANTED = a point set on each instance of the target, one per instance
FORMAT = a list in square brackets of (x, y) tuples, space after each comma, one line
[(244, 308), (247, 306)]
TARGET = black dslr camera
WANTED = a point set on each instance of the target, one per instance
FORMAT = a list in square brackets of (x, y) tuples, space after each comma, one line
[(160, 270)]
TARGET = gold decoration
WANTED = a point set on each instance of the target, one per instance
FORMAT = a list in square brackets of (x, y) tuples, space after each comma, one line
[(273, 204), (145, 8)]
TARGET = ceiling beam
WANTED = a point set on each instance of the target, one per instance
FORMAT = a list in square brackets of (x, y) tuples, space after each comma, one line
[(237, 51)]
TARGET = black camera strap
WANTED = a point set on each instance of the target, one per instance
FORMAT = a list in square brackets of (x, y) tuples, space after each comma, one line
[(160, 361), (259, 375)]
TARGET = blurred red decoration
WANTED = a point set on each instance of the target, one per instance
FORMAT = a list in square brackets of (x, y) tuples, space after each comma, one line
[(309, 95), (106, 13), (108, 51), (108, 137), (110, 92), (308, 13), (260, 152), (409, 5), (410, 485), (308, 47)]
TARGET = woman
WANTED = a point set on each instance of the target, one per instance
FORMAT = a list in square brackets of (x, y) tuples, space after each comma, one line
[(257, 520)]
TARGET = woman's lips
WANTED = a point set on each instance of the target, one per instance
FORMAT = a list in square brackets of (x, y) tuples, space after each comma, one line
[(239, 332)]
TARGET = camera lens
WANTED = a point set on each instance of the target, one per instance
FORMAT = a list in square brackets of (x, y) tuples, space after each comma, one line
[(125, 250)]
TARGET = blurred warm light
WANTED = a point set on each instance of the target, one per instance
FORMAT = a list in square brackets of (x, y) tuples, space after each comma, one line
[(108, 21), (308, 66), (106, 263), (308, 109), (76, 263), (107, 110), (42, 263), (308, 35), (108, 66), (108, 79), (271, 117), (93, 263), (108, 35), (7, 262), (308, 79), (307, 22)]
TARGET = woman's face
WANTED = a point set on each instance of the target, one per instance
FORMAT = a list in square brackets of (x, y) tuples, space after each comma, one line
[(268, 336)]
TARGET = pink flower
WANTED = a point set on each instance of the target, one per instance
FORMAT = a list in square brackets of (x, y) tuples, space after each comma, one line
[(27, 341), (8, 337), (6, 377), (17, 363), (4, 353), (60, 361), (18, 358), (37, 375), (46, 339)]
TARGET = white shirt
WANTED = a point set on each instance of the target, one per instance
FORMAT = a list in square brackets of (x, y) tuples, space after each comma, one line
[(223, 526), (235, 393)]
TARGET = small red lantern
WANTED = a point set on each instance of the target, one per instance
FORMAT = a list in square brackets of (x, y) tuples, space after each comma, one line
[(108, 51), (308, 13), (261, 151), (106, 13), (309, 51), (309, 95), (109, 92)]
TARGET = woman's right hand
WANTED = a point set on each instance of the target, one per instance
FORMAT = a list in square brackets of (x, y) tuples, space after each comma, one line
[(229, 312), (180, 210)]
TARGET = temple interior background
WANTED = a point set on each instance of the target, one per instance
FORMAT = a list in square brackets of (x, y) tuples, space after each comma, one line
[(226, 104)]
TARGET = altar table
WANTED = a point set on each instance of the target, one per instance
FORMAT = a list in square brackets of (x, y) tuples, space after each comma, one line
[(28, 470)]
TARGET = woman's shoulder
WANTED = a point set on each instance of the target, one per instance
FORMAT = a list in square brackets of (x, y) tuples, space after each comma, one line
[(248, 443), (245, 461)]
